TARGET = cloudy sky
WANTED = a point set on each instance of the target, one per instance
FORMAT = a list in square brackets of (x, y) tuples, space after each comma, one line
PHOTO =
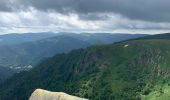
[(134, 16)]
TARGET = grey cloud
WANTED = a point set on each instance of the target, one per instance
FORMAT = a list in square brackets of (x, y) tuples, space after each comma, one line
[(4, 6), (148, 10), (93, 14)]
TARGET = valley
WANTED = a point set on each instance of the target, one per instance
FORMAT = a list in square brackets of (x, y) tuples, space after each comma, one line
[(23, 51)]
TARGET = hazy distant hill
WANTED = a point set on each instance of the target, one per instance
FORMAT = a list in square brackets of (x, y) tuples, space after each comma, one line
[(105, 38), (22, 51), (165, 36), (11, 39), (31, 53), (130, 70)]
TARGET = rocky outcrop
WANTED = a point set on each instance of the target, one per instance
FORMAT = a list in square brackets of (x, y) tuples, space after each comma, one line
[(40, 94)]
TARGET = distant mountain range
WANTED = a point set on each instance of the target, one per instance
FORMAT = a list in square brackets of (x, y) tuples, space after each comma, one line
[(104, 38), (136, 69), (14, 38), (22, 51), (30, 53)]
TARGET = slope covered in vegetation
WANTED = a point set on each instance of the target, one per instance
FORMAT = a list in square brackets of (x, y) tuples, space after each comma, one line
[(131, 70), (24, 51)]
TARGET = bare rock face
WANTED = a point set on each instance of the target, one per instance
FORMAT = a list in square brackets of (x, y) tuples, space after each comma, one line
[(40, 94)]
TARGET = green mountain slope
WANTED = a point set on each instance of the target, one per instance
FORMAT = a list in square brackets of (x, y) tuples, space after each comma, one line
[(131, 70), (23, 51)]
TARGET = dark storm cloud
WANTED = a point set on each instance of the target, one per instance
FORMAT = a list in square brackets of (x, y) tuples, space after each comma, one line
[(4, 6), (149, 10), (84, 15)]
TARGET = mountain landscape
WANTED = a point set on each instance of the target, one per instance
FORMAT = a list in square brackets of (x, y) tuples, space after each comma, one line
[(30, 53), (23, 51), (84, 49), (129, 70)]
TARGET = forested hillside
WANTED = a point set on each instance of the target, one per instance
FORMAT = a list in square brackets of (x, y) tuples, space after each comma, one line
[(131, 70), (23, 51)]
